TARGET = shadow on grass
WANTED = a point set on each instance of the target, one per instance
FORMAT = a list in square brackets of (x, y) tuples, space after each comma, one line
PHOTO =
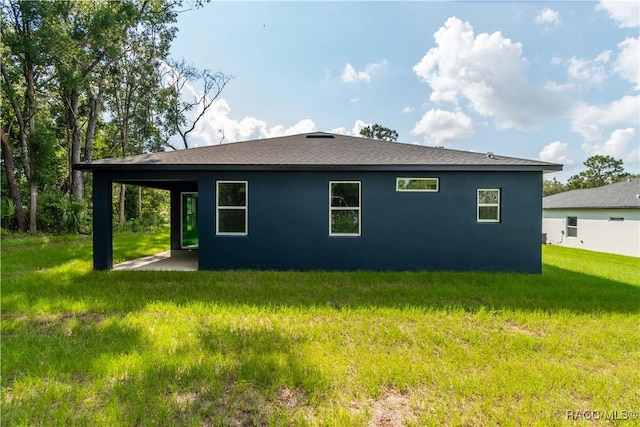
[(243, 376), (556, 289)]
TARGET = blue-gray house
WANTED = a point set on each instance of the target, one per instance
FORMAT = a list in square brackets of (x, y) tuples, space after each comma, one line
[(335, 202)]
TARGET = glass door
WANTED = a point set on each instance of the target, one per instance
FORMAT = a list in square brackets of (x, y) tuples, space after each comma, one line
[(189, 202)]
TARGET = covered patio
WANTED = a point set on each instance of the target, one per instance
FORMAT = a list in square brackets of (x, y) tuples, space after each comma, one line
[(164, 261)]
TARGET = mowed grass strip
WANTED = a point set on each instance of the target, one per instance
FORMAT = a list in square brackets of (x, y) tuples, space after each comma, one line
[(313, 348)]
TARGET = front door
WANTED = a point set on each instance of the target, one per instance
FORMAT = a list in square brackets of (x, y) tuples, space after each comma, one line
[(189, 220)]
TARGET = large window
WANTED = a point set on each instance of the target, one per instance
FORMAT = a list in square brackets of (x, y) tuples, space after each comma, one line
[(488, 205), (344, 208), (231, 208), (417, 184), (572, 226)]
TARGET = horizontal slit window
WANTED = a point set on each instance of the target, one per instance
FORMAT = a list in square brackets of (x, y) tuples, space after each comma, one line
[(418, 184)]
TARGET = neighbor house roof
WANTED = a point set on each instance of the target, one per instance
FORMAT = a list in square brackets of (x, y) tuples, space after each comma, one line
[(625, 194), (318, 150)]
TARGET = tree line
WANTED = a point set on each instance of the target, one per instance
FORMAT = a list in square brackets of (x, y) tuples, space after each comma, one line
[(601, 170), (88, 80)]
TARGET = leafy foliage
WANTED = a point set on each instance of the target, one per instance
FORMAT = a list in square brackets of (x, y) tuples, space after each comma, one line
[(601, 170), (85, 80), (379, 132)]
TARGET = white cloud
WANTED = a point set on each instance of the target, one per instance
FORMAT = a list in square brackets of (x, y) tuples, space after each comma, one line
[(355, 130), (588, 120), (439, 127), (354, 100), (303, 126), (217, 122), (548, 17), (625, 13), (589, 71), (488, 71), (622, 144), (556, 152), (351, 75), (627, 64), (407, 110)]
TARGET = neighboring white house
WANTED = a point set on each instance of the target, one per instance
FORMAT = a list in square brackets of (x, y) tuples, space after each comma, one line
[(604, 219)]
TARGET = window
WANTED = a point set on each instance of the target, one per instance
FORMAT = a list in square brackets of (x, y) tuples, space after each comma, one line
[(488, 205), (572, 226), (417, 184), (344, 208), (231, 207)]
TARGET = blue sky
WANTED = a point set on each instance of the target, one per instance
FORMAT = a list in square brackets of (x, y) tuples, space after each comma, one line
[(557, 81)]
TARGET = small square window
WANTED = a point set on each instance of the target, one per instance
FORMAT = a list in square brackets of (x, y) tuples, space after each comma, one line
[(488, 205)]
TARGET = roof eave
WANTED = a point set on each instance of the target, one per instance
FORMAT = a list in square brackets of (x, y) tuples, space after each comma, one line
[(114, 167)]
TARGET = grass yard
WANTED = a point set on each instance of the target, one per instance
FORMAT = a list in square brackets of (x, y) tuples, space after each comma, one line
[(315, 348)]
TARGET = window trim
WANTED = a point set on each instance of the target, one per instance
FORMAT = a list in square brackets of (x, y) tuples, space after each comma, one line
[(347, 208), (573, 227), (479, 205), (418, 190), (245, 208)]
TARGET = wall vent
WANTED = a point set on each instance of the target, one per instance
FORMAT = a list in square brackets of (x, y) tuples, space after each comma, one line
[(320, 135)]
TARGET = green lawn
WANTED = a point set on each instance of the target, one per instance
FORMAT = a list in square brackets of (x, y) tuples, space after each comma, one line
[(315, 348)]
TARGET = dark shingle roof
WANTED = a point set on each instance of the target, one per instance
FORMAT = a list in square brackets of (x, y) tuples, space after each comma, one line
[(318, 149), (625, 194)]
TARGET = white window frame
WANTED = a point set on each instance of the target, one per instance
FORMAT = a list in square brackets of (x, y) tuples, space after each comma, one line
[(427, 190), (245, 208), (346, 208), (573, 227), (479, 205)]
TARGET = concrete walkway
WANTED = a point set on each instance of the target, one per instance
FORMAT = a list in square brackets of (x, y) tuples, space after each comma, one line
[(164, 261)]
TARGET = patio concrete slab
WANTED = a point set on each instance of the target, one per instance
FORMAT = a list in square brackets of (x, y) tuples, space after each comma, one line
[(164, 261)]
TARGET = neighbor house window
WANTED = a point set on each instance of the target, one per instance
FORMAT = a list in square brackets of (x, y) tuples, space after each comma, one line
[(488, 205), (231, 208), (417, 184), (344, 208), (572, 226)]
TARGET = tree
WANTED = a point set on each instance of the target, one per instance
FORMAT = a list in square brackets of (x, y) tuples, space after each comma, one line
[(134, 83), (601, 170), (21, 72), (553, 186), (379, 132), (179, 102)]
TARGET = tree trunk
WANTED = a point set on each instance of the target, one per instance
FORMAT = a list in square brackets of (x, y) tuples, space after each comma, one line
[(14, 192), (33, 207), (77, 177)]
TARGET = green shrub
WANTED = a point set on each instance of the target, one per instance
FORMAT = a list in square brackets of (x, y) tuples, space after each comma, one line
[(58, 213)]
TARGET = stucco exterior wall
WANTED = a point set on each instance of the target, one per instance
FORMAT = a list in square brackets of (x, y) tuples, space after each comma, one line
[(288, 221), (288, 224), (596, 231)]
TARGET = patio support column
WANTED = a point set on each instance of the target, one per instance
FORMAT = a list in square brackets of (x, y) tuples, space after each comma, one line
[(175, 220), (102, 222), (206, 223)]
